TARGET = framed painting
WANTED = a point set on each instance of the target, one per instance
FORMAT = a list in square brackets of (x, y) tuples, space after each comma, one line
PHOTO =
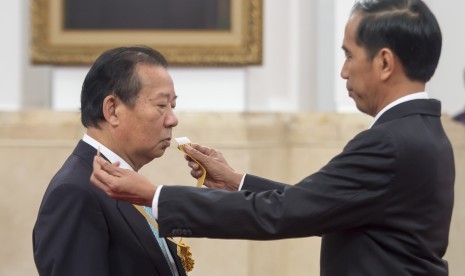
[(187, 32)]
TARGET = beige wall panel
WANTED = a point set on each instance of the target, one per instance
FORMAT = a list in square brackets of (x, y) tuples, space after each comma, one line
[(284, 147)]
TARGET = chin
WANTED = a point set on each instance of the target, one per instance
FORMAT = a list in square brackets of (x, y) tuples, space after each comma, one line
[(158, 153)]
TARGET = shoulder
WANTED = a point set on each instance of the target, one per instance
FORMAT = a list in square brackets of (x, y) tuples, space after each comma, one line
[(72, 183), (379, 139)]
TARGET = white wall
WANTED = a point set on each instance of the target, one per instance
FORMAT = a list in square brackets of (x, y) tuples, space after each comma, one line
[(285, 80), (12, 55), (448, 81), (202, 89), (342, 12), (300, 70)]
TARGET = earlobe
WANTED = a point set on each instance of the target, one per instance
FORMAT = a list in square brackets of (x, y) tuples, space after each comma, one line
[(109, 108)]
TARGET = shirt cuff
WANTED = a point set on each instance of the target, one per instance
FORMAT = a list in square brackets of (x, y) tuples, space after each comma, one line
[(242, 182), (155, 202)]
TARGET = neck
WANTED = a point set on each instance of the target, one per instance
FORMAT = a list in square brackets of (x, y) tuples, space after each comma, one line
[(104, 137), (400, 90)]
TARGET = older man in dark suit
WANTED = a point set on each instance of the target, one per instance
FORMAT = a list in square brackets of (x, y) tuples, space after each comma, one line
[(383, 206), (127, 104)]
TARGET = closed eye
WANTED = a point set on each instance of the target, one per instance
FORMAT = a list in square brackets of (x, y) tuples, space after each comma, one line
[(347, 54)]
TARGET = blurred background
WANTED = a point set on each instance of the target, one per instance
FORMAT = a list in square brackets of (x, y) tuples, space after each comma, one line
[(292, 108)]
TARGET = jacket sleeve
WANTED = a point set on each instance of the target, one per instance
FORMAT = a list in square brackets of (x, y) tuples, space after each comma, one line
[(348, 192), (258, 184), (70, 236)]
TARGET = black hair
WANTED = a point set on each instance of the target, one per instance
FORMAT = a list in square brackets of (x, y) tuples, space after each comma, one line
[(407, 27), (114, 73)]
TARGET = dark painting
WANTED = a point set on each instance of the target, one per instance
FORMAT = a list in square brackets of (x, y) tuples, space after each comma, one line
[(147, 14)]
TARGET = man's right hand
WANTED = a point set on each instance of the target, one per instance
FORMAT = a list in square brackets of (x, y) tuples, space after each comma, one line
[(219, 174), (122, 184)]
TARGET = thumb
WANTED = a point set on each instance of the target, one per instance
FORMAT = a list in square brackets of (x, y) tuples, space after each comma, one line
[(193, 153)]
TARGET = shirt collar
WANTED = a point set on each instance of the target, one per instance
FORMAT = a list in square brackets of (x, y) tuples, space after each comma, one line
[(110, 155), (414, 96)]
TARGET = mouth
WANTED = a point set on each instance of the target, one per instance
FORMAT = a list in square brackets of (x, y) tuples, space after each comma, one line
[(166, 142), (350, 92)]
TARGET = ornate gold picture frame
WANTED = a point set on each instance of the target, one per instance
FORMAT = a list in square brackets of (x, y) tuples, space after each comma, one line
[(240, 44)]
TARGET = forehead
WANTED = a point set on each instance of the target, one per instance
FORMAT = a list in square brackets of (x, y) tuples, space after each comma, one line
[(155, 79), (149, 72), (349, 41), (351, 26)]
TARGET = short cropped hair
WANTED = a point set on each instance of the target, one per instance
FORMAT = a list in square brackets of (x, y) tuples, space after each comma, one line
[(407, 27), (114, 73)]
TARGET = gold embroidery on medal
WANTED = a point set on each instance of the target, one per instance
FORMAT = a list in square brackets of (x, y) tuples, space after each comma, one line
[(185, 255), (182, 249)]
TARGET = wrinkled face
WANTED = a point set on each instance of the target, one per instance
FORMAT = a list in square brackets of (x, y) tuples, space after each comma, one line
[(359, 71), (145, 129)]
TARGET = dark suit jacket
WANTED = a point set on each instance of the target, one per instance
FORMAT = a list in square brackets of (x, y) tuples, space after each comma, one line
[(81, 231), (383, 206)]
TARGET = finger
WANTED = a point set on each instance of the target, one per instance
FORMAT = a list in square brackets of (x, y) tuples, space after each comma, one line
[(99, 160), (97, 167), (200, 148), (193, 165), (196, 174), (101, 176), (112, 169), (194, 153)]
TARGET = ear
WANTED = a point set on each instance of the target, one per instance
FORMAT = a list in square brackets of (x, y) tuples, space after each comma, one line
[(386, 63), (110, 109)]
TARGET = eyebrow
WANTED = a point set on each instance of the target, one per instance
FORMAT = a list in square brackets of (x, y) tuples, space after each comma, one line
[(167, 95)]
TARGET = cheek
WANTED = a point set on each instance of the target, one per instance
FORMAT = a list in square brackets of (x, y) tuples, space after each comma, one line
[(152, 128), (360, 80)]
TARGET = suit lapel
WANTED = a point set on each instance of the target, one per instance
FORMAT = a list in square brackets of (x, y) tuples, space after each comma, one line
[(144, 235), (137, 223)]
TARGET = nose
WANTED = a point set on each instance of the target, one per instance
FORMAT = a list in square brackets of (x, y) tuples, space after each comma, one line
[(344, 73), (171, 120)]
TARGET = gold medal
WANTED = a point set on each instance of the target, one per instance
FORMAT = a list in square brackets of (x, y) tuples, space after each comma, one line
[(185, 255), (183, 250)]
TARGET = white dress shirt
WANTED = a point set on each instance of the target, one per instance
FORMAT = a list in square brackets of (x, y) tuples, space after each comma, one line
[(414, 96)]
